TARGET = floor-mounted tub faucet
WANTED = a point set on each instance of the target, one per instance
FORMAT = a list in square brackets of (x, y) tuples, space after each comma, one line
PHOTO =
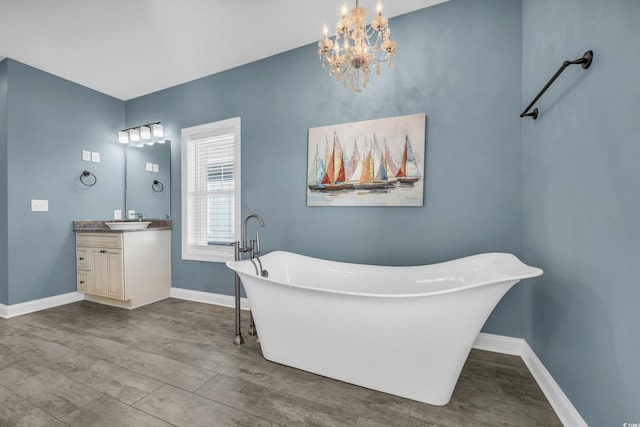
[(252, 248)]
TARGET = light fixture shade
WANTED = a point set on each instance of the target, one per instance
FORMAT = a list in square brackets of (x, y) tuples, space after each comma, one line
[(123, 137), (157, 130), (134, 135), (145, 132)]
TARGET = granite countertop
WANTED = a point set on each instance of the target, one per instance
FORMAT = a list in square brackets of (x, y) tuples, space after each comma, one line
[(101, 226)]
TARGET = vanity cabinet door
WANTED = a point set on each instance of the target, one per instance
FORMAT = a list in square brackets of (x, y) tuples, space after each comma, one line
[(115, 285), (107, 273)]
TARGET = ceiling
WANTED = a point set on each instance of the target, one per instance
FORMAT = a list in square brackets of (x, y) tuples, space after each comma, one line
[(129, 48)]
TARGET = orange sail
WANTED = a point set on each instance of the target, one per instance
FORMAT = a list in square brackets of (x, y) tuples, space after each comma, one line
[(335, 169), (328, 175), (365, 176), (409, 172), (403, 164)]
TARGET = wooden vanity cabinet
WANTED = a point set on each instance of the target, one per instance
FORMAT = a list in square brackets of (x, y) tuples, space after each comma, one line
[(125, 269)]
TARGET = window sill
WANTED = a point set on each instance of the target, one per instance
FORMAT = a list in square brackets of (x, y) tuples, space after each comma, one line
[(208, 254)]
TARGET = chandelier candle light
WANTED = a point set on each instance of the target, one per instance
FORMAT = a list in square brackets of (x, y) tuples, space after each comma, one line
[(357, 48)]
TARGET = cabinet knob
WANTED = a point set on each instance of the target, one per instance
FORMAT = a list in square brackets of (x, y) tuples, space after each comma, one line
[(81, 258), (81, 282), (103, 251)]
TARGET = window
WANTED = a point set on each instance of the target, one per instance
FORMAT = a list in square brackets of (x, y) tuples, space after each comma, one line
[(210, 190)]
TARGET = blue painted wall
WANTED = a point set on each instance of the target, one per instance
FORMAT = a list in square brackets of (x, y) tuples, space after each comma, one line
[(582, 204), (50, 121), (3, 184), (459, 62)]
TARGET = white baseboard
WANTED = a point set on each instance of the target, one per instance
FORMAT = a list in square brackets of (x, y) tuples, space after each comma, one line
[(7, 311), (499, 344), (556, 397), (208, 298), (560, 403)]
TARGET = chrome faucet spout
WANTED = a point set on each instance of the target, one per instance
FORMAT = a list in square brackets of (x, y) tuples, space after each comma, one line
[(244, 225)]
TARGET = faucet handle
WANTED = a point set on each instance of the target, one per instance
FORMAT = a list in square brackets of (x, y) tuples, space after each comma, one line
[(257, 248)]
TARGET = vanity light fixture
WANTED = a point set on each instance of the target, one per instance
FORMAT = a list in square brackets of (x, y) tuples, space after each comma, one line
[(135, 133), (145, 132), (123, 137)]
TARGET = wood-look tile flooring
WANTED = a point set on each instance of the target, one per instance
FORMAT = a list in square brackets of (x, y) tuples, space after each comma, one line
[(173, 363)]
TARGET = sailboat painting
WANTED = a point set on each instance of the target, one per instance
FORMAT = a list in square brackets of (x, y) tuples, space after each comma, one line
[(368, 163)]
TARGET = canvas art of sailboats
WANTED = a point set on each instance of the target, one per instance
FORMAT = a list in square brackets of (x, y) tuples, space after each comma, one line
[(380, 164)]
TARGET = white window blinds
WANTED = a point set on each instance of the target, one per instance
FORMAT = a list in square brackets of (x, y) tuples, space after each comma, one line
[(210, 168), (211, 190)]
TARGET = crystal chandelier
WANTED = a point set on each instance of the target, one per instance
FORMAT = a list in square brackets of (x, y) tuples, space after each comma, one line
[(357, 48)]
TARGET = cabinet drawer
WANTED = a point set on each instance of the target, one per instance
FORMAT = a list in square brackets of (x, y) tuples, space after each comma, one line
[(99, 240), (82, 258), (83, 280)]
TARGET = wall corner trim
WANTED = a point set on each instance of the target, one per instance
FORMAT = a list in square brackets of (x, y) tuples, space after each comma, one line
[(560, 403), (7, 311)]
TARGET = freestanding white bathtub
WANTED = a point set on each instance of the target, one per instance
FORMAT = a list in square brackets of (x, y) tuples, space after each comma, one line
[(406, 331)]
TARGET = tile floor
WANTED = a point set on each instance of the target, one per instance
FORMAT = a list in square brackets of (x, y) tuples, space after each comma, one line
[(173, 363)]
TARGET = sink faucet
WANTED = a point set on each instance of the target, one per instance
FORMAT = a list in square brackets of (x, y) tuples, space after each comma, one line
[(138, 216)]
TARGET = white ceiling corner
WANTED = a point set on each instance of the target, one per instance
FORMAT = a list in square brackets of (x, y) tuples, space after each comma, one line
[(127, 48)]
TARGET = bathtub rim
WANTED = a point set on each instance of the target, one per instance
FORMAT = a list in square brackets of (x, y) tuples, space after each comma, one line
[(528, 272)]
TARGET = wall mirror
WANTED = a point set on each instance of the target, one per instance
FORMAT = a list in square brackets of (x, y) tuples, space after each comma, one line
[(148, 180)]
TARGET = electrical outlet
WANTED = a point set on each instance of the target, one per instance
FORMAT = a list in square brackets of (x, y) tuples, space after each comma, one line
[(149, 167), (95, 157), (117, 214), (156, 168), (86, 155), (39, 205)]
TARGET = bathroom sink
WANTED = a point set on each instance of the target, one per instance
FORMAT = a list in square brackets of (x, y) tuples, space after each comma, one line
[(128, 226)]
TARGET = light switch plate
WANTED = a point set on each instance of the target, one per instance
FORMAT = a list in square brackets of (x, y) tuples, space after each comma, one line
[(86, 155), (149, 167), (117, 214), (95, 157), (131, 214), (156, 168), (39, 205)]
